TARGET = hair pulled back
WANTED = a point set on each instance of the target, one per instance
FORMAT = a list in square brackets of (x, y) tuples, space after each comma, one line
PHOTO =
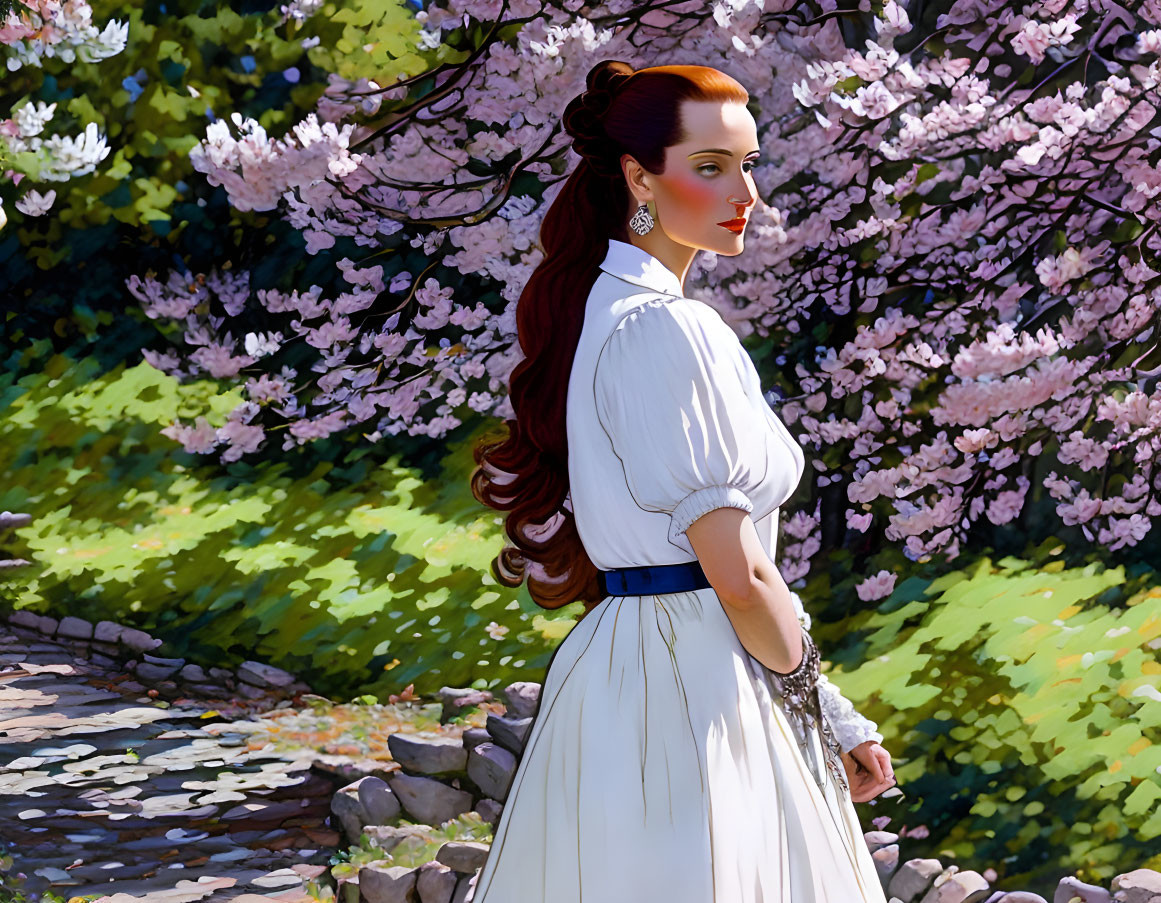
[(621, 111)]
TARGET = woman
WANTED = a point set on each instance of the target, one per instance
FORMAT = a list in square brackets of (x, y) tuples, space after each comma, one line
[(643, 474)]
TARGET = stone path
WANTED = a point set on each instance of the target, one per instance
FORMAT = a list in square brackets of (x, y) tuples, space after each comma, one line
[(107, 789)]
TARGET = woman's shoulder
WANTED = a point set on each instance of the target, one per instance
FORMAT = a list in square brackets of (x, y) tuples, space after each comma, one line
[(662, 313), (666, 333)]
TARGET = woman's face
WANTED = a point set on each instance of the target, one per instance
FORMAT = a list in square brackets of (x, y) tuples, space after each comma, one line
[(707, 178)]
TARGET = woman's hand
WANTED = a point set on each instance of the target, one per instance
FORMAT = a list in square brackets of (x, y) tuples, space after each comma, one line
[(869, 771)]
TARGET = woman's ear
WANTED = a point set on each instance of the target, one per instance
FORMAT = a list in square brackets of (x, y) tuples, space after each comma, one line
[(635, 179)]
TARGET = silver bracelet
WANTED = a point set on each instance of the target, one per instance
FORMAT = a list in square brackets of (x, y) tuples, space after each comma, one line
[(799, 689)]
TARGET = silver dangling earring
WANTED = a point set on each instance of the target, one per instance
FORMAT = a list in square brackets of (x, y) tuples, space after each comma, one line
[(641, 222)]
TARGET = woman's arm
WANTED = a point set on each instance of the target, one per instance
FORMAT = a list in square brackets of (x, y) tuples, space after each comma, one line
[(767, 615), (753, 594)]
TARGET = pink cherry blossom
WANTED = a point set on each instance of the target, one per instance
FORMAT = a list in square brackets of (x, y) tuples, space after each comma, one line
[(877, 586)]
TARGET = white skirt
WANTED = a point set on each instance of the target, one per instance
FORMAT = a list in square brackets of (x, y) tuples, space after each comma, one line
[(661, 766)]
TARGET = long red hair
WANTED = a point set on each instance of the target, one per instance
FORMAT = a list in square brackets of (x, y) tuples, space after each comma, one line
[(525, 472)]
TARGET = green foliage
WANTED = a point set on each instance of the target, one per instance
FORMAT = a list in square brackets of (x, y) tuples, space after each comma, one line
[(185, 65), (188, 60), (372, 40), (417, 847), (14, 895), (362, 578), (1013, 689)]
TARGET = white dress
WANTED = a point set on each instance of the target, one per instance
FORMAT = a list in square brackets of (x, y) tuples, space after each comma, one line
[(660, 765)]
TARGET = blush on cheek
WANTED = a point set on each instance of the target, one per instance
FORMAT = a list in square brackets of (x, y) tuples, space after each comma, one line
[(697, 196)]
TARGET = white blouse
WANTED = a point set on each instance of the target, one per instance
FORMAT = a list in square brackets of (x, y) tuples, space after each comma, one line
[(666, 420)]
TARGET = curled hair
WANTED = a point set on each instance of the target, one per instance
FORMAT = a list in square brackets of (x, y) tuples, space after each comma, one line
[(525, 472), (583, 118)]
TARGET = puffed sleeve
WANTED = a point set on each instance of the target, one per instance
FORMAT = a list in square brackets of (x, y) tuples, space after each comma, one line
[(681, 403), (850, 728)]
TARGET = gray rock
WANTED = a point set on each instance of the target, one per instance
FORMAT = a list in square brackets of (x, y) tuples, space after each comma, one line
[(981, 894), (955, 886), (388, 837), (137, 640), (1070, 887), (221, 673), (75, 628), (522, 698), (912, 879), (450, 694), (107, 632), (379, 803), (876, 839), (173, 663), (492, 768), (886, 861), (1021, 896), (279, 878), (428, 755), (263, 675), (490, 810), (60, 657), (387, 884), (428, 800), (79, 648), (347, 809), (211, 690), (47, 625), (1137, 886), (435, 883), (474, 736), (269, 811), (463, 855), (455, 699), (250, 691), (25, 618), (347, 770), (153, 673), (57, 876), (510, 733), (464, 887), (9, 520), (194, 673)]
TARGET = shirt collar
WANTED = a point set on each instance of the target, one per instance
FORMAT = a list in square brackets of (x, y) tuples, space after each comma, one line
[(628, 262)]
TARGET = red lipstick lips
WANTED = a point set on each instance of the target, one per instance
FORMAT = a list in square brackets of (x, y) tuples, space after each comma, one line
[(734, 225)]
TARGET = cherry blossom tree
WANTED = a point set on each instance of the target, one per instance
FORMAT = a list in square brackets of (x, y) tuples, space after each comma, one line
[(32, 31), (953, 251)]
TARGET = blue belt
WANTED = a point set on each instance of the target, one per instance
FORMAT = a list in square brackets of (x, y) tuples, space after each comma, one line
[(653, 579)]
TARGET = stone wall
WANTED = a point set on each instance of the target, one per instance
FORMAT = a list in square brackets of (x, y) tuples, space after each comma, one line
[(440, 778), (126, 649)]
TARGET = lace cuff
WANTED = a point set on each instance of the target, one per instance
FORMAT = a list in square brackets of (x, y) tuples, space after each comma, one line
[(850, 728)]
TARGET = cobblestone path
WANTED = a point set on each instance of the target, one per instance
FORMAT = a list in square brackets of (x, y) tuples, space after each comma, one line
[(105, 790)]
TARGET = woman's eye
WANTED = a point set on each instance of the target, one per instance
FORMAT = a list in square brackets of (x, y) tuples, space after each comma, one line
[(747, 166)]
